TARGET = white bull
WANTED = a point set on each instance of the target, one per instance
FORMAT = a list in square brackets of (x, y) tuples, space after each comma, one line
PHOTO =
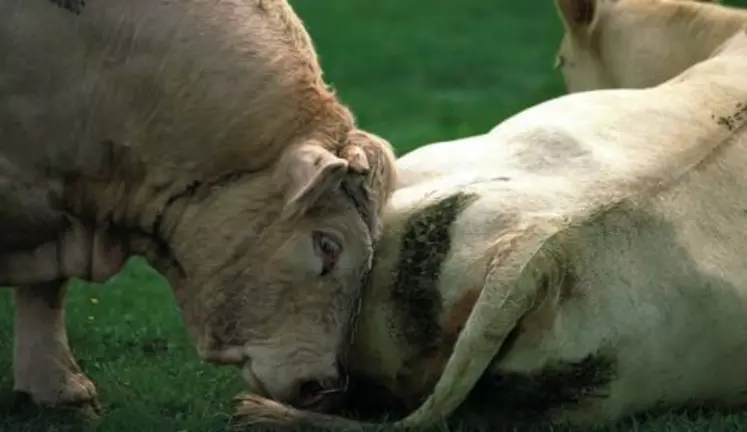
[(581, 262)]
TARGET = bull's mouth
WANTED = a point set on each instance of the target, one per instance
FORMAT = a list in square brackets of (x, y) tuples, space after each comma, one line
[(367, 400), (326, 401), (233, 356), (361, 402), (255, 384)]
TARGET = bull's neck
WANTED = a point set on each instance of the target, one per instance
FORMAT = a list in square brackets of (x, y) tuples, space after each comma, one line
[(139, 208), (140, 191)]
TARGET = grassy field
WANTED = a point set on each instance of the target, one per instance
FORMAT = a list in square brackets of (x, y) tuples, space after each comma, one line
[(414, 72)]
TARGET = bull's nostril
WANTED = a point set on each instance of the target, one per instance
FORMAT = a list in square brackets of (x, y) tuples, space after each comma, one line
[(316, 395), (310, 390)]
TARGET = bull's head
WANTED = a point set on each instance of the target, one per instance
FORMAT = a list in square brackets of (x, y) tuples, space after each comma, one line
[(268, 267)]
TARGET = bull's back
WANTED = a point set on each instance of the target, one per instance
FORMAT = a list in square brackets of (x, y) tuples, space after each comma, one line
[(172, 78), (64, 82)]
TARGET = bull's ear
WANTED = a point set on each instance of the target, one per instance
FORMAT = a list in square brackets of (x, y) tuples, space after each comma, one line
[(310, 172), (373, 157), (577, 15)]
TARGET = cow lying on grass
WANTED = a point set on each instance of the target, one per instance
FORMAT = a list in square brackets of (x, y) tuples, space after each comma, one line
[(581, 262), (639, 43), (200, 134)]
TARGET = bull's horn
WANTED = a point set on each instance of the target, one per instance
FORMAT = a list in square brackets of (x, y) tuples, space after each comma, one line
[(510, 286)]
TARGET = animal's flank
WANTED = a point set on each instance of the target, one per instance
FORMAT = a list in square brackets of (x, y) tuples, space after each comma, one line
[(74, 6), (425, 244)]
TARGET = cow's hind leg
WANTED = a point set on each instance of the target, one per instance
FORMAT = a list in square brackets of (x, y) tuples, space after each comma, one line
[(43, 364)]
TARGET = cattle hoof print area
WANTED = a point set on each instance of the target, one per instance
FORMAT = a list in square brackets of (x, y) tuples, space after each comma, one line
[(382, 216)]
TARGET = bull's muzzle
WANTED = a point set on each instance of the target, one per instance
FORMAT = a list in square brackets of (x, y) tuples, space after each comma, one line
[(319, 394), (227, 356)]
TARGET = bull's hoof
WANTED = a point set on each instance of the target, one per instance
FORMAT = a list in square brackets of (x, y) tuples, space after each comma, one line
[(21, 403), (57, 390)]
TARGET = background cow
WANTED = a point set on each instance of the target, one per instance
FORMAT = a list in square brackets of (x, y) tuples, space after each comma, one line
[(201, 135), (639, 43)]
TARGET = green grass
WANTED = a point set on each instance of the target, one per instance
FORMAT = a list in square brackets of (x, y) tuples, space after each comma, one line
[(413, 71)]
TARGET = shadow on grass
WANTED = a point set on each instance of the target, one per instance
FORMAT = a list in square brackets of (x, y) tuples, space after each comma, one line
[(18, 411), (19, 414), (667, 421)]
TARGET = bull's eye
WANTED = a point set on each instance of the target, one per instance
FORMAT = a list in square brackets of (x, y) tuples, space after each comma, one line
[(328, 249)]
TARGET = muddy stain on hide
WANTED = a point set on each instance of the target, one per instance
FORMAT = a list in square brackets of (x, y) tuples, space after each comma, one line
[(532, 397), (74, 6), (425, 244), (734, 121)]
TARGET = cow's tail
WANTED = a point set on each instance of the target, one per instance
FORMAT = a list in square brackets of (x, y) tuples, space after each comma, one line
[(510, 287)]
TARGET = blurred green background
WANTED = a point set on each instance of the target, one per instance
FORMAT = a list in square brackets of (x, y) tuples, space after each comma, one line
[(421, 72), (414, 72)]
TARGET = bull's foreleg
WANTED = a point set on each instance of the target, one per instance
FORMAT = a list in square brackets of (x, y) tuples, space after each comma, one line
[(44, 366)]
